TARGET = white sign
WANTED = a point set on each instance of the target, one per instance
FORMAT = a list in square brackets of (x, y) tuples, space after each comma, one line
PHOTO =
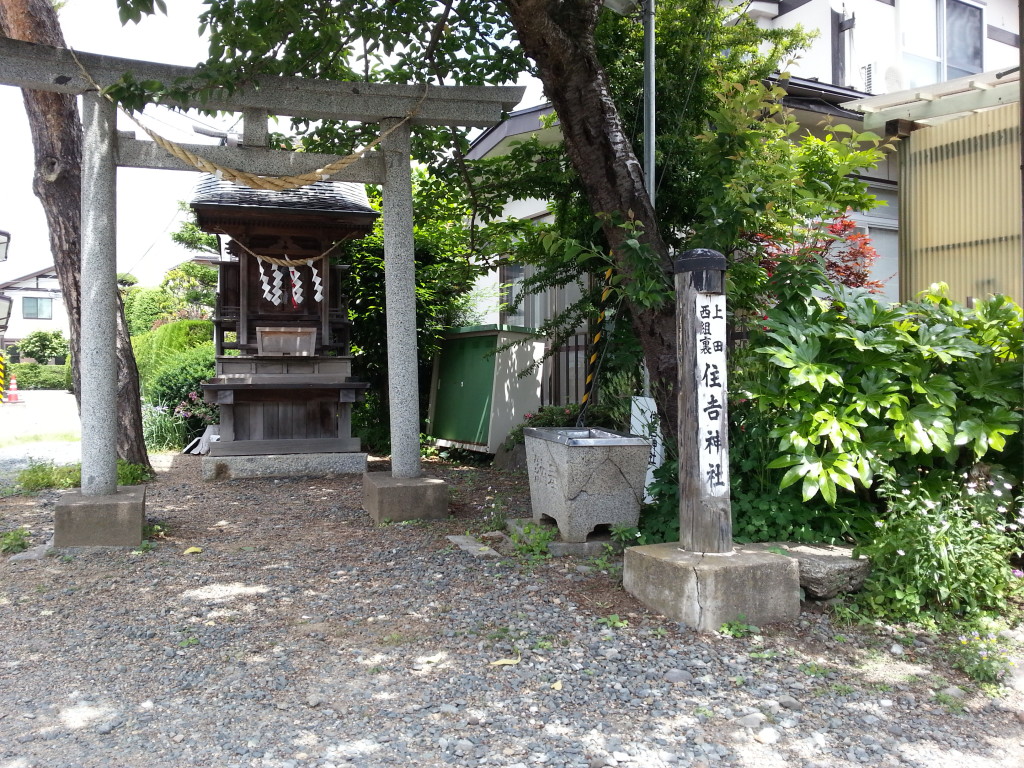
[(711, 395), (644, 421)]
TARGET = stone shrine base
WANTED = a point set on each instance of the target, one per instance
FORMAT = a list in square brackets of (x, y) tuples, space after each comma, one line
[(398, 499), (101, 521), (283, 465), (704, 591)]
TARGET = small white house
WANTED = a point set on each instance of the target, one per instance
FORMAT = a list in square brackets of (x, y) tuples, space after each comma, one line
[(38, 305)]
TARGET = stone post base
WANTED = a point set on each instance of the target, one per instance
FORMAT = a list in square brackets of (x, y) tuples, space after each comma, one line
[(704, 591), (101, 521), (283, 465), (397, 499)]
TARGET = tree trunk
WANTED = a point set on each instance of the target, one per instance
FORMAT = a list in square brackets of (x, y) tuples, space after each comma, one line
[(559, 36), (57, 138)]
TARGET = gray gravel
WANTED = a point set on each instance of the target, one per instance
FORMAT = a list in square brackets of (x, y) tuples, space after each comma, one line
[(303, 635)]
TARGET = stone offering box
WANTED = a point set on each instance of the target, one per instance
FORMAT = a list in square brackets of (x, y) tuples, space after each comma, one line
[(585, 477)]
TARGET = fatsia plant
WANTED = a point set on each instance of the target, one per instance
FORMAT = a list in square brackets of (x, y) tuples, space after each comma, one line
[(855, 386)]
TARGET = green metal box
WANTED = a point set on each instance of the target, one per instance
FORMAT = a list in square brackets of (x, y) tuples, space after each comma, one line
[(477, 395)]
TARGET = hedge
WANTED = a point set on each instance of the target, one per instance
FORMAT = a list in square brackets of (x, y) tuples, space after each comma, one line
[(36, 376)]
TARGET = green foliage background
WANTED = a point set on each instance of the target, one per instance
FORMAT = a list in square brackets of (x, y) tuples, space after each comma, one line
[(143, 307), (43, 345), (156, 349), (36, 376)]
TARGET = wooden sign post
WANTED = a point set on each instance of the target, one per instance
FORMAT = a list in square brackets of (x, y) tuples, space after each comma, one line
[(705, 515)]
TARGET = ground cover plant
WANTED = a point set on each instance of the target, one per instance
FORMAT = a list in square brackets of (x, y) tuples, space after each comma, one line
[(154, 349), (45, 475)]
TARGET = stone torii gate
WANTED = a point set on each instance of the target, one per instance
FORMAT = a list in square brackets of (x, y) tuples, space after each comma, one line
[(103, 514)]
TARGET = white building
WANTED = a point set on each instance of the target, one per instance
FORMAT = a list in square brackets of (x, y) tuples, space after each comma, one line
[(38, 305), (882, 46)]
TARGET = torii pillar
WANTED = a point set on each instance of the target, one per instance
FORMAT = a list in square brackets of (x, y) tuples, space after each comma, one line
[(101, 513), (403, 493)]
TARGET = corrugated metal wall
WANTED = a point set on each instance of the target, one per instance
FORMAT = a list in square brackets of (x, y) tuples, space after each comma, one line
[(961, 199)]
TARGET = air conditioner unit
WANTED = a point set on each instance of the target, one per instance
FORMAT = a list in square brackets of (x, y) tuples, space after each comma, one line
[(867, 78), (879, 77)]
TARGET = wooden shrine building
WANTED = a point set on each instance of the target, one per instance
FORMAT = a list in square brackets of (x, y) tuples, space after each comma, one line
[(286, 387)]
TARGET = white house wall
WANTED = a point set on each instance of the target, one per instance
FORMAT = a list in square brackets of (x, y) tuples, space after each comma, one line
[(875, 42), (815, 61), (1001, 14), (19, 326)]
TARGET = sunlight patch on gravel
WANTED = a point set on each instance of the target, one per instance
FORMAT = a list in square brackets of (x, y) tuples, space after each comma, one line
[(222, 593), (82, 715)]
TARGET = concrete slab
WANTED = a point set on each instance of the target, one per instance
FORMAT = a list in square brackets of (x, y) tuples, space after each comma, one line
[(114, 520), (283, 465), (704, 591), (397, 499), (473, 546), (825, 570)]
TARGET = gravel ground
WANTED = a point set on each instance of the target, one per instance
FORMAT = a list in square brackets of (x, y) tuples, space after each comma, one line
[(304, 635)]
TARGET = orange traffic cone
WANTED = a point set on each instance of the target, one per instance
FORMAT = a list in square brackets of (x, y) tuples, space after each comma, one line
[(12, 391)]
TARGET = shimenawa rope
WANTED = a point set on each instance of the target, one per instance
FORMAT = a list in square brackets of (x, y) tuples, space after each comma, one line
[(274, 183)]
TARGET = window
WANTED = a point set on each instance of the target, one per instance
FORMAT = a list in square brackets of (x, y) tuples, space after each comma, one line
[(36, 309), (942, 40)]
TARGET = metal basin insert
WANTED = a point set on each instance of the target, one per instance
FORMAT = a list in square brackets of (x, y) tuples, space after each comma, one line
[(580, 436)]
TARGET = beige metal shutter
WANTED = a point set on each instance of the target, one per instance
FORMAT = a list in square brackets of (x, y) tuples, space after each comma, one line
[(961, 201)]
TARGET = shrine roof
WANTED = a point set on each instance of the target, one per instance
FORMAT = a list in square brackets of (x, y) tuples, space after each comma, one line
[(326, 197)]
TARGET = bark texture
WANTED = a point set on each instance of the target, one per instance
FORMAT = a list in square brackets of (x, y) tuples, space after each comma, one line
[(57, 140), (559, 36)]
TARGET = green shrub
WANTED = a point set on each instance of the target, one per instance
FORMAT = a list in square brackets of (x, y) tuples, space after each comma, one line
[(36, 376), (179, 381), (42, 345), (761, 511), (38, 477), (659, 520), (153, 350), (561, 416), (371, 423), (143, 307), (854, 386), (944, 546)]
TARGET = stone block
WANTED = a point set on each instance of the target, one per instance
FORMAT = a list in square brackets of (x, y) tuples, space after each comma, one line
[(582, 478), (283, 465), (510, 460), (101, 521), (825, 570), (704, 591), (398, 499)]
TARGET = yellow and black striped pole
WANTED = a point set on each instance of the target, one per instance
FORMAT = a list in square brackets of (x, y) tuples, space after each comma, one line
[(592, 362), (3, 379)]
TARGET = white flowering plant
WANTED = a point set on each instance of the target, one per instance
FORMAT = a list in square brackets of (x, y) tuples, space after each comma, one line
[(945, 545)]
